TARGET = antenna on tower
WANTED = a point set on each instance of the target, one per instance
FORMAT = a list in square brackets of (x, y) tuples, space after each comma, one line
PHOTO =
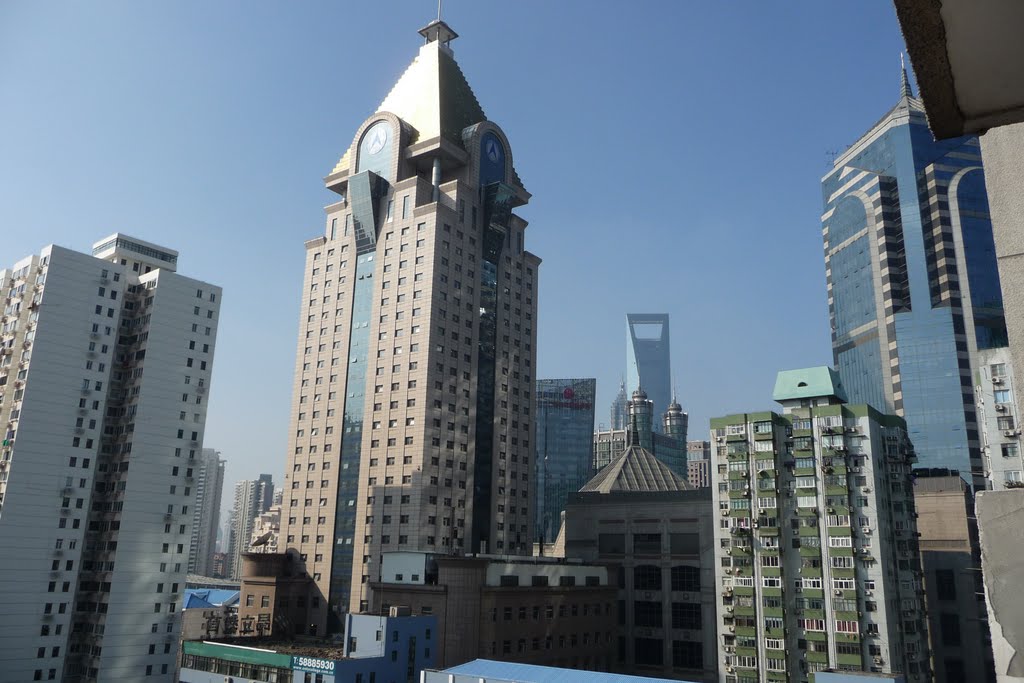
[(439, 11)]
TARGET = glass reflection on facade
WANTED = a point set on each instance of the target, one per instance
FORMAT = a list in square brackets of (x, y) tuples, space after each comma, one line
[(564, 434), (912, 280)]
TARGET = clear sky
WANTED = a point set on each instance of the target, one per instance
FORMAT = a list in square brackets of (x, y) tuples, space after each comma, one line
[(674, 151)]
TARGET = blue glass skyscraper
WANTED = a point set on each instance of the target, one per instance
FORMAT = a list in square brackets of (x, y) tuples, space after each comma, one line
[(648, 364), (913, 288), (564, 438)]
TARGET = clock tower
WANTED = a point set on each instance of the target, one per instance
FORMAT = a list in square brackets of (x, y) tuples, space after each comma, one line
[(412, 412)]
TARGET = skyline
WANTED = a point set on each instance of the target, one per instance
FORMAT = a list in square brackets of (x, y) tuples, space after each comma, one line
[(253, 183)]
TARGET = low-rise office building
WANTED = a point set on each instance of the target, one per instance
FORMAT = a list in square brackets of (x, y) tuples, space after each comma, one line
[(951, 558), (639, 516), (536, 610), (376, 649), (275, 596)]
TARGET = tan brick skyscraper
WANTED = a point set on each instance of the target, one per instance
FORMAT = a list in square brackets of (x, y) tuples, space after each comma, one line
[(412, 412)]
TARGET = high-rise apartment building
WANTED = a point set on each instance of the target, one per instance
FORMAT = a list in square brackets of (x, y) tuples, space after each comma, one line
[(999, 419), (913, 288), (252, 498), (564, 443), (817, 550), (648, 359), (105, 362), (206, 514), (412, 419)]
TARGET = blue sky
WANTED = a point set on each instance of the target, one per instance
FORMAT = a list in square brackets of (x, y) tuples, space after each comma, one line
[(674, 151)]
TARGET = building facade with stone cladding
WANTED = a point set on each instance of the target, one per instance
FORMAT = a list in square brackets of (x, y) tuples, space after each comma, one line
[(412, 416)]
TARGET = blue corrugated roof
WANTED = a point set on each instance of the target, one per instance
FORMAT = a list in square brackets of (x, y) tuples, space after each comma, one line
[(194, 597), (193, 601), (531, 673)]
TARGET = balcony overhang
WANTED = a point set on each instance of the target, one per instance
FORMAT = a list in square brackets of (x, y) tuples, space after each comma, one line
[(969, 62)]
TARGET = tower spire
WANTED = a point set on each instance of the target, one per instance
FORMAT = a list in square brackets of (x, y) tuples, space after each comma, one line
[(905, 89)]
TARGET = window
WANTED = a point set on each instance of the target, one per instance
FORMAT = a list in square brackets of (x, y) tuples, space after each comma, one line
[(648, 651), (647, 577), (647, 544), (687, 655), (949, 625), (686, 578), (686, 615), (647, 614)]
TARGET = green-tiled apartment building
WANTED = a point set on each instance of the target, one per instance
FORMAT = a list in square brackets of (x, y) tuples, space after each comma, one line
[(818, 564)]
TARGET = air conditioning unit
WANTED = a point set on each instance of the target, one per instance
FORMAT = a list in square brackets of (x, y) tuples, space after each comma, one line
[(866, 489), (997, 380), (830, 508), (878, 660), (1009, 432), (1000, 408), (725, 513), (866, 530), (838, 592), (729, 668), (869, 593)]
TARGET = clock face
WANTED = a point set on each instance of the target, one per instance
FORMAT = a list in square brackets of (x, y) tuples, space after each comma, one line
[(493, 150), (377, 137)]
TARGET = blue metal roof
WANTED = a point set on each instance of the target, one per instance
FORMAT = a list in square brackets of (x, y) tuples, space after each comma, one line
[(193, 601), (212, 597), (531, 673)]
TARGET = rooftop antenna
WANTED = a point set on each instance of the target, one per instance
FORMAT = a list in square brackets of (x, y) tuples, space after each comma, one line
[(905, 90), (439, 16)]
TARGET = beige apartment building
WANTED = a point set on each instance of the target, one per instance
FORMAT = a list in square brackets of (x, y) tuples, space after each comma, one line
[(411, 419)]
